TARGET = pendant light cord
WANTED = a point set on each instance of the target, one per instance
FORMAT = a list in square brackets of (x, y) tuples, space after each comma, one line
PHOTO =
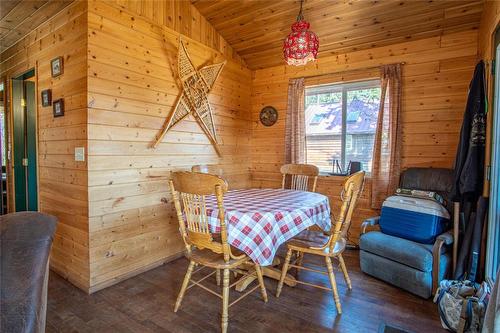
[(300, 16)]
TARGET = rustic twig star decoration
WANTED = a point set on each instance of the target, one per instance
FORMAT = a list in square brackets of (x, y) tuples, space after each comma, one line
[(195, 88)]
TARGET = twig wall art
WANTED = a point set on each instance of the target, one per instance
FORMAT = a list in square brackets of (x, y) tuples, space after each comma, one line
[(196, 85)]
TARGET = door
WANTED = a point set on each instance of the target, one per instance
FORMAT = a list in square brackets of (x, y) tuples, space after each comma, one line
[(493, 235), (24, 142)]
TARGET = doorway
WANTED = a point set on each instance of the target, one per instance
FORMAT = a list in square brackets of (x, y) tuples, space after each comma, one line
[(24, 142), (3, 152), (493, 235)]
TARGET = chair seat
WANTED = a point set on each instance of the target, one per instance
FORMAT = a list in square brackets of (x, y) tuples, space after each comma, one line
[(404, 251), (211, 259), (308, 239)]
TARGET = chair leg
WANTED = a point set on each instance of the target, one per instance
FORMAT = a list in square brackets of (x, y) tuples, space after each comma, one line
[(344, 270), (185, 283), (300, 258), (217, 276), (263, 291), (331, 275), (283, 272), (225, 300)]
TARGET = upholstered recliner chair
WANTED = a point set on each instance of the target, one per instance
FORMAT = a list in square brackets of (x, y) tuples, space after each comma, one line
[(25, 242), (412, 266)]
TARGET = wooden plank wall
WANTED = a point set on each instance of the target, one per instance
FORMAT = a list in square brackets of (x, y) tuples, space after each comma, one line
[(489, 23), (182, 17), (435, 77), (62, 181), (132, 86)]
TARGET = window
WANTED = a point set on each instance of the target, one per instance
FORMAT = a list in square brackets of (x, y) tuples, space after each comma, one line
[(341, 120)]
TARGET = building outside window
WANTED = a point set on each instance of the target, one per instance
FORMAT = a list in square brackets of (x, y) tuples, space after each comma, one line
[(341, 121)]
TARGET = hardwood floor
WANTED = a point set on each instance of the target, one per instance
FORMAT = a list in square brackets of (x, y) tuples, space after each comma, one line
[(145, 304)]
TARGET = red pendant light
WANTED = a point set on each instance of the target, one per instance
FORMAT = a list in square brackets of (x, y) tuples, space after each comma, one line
[(301, 45)]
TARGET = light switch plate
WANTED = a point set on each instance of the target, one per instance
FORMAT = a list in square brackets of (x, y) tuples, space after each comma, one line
[(80, 154)]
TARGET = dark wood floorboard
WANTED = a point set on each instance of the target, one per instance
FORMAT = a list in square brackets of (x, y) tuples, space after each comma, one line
[(145, 304)]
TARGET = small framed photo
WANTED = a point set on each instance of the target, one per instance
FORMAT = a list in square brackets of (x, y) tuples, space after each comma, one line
[(58, 107), (46, 97), (56, 66)]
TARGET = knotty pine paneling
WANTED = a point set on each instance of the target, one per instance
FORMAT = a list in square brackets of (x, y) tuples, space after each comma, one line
[(18, 18), (62, 181), (486, 50), (256, 29), (435, 83), (132, 87), (183, 17)]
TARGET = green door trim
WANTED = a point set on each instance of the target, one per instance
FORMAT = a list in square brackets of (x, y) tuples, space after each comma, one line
[(18, 144), (24, 121), (30, 95)]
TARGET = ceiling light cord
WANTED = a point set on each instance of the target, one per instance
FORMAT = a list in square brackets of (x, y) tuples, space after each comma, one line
[(300, 17)]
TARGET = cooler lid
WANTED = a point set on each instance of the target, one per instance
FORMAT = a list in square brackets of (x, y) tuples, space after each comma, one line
[(418, 205)]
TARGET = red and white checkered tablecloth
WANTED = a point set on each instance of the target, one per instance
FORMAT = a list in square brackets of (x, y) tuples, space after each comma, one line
[(260, 220)]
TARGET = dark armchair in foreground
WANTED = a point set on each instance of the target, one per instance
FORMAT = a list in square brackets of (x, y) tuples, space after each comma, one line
[(412, 266), (25, 242)]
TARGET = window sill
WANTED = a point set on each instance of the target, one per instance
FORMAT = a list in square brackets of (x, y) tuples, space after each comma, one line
[(330, 176)]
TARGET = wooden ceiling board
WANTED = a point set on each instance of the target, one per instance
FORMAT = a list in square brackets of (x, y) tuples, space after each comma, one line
[(7, 6), (18, 18), (256, 28)]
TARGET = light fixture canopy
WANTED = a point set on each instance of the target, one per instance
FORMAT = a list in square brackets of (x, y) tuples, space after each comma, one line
[(301, 45)]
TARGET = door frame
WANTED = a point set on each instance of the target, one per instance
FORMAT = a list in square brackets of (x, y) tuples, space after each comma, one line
[(25, 74), (493, 230), (4, 81)]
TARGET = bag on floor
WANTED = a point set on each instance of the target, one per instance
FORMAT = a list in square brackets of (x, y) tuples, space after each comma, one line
[(461, 305)]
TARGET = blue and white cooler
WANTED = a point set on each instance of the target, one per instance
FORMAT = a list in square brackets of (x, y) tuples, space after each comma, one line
[(416, 219)]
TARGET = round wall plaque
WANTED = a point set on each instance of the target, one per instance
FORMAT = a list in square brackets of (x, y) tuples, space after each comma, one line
[(268, 116)]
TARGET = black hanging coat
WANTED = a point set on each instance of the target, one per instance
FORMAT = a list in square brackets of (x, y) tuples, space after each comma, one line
[(469, 163), (469, 178)]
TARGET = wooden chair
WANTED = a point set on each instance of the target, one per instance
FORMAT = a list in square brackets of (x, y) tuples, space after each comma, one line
[(327, 246), (212, 170), (299, 175), (202, 247), (208, 168)]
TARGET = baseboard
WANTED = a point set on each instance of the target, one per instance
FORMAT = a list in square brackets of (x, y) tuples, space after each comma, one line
[(133, 273)]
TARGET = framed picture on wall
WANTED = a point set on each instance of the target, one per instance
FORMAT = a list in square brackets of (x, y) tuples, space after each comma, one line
[(46, 97), (56, 66), (58, 108)]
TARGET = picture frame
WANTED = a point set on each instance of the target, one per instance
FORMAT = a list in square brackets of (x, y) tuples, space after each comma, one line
[(56, 66), (58, 108), (46, 97)]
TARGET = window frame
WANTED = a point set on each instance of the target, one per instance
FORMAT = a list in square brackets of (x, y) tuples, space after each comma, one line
[(343, 88)]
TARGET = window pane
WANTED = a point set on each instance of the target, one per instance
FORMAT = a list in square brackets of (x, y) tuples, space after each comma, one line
[(361, 124), (323, 127)]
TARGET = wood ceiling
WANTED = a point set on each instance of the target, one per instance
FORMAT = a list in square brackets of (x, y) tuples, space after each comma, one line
[(19, 17), (256, 28)]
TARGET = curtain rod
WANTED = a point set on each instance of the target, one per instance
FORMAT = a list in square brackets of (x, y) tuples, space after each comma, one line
[(351, 70)]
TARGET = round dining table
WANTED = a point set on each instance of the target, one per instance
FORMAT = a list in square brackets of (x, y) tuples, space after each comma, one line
[(260, 220)]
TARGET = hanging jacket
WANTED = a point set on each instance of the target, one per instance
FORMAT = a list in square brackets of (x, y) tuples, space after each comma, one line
[(469, 163)]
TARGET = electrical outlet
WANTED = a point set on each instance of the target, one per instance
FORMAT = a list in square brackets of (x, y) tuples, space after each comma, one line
[(80, 154)]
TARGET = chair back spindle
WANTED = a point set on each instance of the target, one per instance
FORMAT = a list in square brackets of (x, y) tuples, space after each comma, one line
[(351, 190), (299, 176), (189, 192)]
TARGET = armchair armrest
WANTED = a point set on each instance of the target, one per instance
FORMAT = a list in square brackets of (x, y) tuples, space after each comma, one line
[(372, 221), (445, 238)]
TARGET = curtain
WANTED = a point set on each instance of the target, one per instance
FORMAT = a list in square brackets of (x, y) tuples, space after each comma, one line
[(386, 150), (295, 142)]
